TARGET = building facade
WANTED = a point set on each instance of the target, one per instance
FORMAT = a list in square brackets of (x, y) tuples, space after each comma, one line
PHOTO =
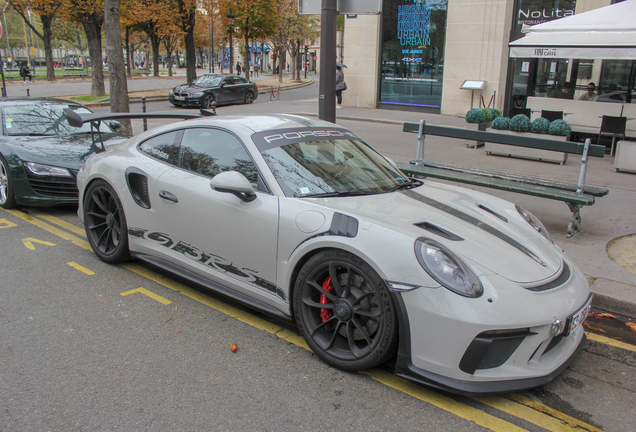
[(417, 54)]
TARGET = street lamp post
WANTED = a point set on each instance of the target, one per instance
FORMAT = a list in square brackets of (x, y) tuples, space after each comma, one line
[(231, 17), (210, 45)]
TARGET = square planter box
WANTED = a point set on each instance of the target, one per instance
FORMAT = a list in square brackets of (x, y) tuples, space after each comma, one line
[(476, 126), (525, 152), (625, 159)]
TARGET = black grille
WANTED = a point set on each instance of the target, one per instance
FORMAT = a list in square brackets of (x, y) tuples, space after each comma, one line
[(492, 349), (53, 186)]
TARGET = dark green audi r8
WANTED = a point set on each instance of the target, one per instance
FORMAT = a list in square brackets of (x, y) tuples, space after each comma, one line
[(40, 153)]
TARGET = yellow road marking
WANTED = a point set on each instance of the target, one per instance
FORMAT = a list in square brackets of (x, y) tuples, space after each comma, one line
[(459, 409), (521, 410), (81, 268), (150, 294), (50, 228), (536, 413), (28, 242), (610, 341), (59, 222), (4, 223)]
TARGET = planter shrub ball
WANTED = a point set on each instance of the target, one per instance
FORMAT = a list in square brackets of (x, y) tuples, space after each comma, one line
[(540, 126), (520, 123), (560, 127), (501, 123), (475, 115)]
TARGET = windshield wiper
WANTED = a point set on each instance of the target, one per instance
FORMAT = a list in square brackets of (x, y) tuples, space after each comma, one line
[(402, 186), (339, 194)]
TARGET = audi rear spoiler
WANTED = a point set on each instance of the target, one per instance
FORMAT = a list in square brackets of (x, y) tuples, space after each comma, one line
[(77, 120)]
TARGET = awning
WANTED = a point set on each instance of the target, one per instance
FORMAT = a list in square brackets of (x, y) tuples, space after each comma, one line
[(604, 33)]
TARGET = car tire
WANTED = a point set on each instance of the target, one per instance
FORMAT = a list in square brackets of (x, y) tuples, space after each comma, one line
[(249, 98), (7, 194), (207, 101), (105, 223), (353, 327)]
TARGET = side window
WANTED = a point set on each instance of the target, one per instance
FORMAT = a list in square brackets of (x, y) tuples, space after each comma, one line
[(240, 80), (228, 81), (212, 151), (163, 147)]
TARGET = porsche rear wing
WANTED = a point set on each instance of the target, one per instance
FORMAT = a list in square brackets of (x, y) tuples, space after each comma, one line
[(77, 120)]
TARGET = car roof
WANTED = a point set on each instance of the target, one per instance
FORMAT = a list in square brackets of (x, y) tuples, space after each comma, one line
[(27, 101), (261, 123)]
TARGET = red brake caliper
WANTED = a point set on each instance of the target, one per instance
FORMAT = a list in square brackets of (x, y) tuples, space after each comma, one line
[(325, 314)]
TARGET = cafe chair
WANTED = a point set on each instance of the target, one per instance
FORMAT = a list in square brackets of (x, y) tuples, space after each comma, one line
[(552, 115), (514, 111), (612, 127)]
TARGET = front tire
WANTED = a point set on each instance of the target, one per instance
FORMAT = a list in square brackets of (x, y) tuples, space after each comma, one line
[(249, 98), (207, 101), (344, 311), (105, 223), (7, 194)]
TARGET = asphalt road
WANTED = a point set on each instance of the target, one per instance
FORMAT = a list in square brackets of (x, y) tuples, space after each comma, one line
[(82, 347)]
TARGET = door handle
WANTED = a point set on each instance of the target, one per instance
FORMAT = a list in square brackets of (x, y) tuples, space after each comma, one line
[(168, 196)]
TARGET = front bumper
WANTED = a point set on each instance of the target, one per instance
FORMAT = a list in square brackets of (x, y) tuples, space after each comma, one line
[(440, 345), (188, 101), (44, 191)]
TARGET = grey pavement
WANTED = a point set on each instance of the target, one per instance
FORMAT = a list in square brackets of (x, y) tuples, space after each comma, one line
[(612, 217)]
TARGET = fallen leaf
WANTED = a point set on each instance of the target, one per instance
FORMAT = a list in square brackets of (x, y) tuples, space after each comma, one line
[(596, 329), (101, 300), (601, 315), (179, 331), (233, 347), (632, 326), (618, 338), (168, 320)]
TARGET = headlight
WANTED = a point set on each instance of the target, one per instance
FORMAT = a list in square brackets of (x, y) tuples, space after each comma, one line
[(171, 93), (47, 170), (534, 222), (196, 94), (447, 269)]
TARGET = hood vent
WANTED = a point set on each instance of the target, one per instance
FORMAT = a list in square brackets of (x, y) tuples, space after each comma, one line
[(434, 229), (563, 278), (492, 212)]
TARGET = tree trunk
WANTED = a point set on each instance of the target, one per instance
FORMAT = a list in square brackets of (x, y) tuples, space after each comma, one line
[(283, 58), (246, 61), (118, 84), (93, 29), (128, 56), (48, 49), (188, 13), (154, 42)]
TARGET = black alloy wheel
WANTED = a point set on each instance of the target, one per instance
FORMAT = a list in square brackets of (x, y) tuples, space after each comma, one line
[(344, 311), (208, 100), (105, 223), (7, 195), (249, 98)]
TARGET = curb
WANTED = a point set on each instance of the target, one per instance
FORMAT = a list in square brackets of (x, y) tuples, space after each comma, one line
[(138, 99)]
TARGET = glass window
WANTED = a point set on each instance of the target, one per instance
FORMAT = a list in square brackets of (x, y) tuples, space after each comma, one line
[(164, 147), (413, 40), (44, 119), (331, 167), (212, 151), (615, 81), (228, 81), (240, 80)]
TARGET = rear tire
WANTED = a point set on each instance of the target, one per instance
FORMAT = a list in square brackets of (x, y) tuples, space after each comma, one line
[(7, 194), (351, 324), (105, 223), (207, 101)]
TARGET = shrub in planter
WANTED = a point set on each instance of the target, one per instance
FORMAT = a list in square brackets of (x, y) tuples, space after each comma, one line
[(560, 127), (520, 123), (501, 123), (487, 114), (540, 126), (496, 113), (475, 115)]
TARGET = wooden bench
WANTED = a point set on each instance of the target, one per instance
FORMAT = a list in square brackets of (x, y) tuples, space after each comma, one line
[(575, 195), (75, 73)]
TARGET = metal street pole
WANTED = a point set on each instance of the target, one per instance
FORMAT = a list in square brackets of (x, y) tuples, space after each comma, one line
[(327, 90), (209, 42), (231, 17)]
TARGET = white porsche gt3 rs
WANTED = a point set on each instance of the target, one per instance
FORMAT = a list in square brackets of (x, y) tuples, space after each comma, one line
[(303, 220)]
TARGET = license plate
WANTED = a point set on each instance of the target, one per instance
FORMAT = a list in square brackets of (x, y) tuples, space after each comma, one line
[(575, 320), (179, 98)]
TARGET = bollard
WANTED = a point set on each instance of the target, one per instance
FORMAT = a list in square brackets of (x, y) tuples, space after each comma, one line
[(143, 108), (28, 93)]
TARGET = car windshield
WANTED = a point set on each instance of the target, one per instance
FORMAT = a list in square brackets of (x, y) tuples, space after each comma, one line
[(43, 120), (208, 81), (333, 167)]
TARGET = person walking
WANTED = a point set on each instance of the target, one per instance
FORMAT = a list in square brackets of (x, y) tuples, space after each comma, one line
[(340, 86), (238, 68)]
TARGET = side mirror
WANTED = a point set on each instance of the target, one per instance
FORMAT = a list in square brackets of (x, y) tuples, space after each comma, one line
[(114, 125), (234, 183)]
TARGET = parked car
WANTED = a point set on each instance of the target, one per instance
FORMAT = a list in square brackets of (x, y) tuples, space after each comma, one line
[(619, 96), (209, 88), (40, 153), (302, 219)]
